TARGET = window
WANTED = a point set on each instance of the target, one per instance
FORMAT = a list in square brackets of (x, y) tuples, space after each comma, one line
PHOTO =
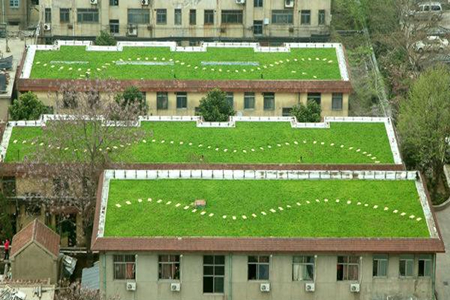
[(69, 100), (209, 17), (124, 267), (336, 101), (114, 26), (213, 273), (380, 265), (287, 112), (258, 3), (258, 267), (249, 100), (87, 15), (316, 97), (48, 15), (169, 267), (257, 27), (64, 15), (406, 265), (14, 3), (138, 16), (192, 17), (305, 17), (181, 100), (347, 268), (162, 101), (230, 99), (321, 17), (269, 101), (60, 187), (425, 265), (177, 18), (303, 268), (282, 17), (9, 186), (161, 16), (114, 2), (231, 16)]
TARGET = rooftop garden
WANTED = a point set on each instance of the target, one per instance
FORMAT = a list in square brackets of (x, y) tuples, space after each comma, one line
[(264, 208), (159, 63), (248, 142)]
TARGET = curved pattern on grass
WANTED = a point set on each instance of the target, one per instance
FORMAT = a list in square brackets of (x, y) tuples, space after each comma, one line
[(217, 149), (271, 210)]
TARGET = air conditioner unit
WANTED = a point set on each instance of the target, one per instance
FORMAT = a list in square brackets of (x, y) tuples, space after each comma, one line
[(93, 2), (175, 287), (264, 287), (266, 21), (310, 287), (145, 2), (240, 1), (132, 30), (354, 287), (47, 27), (288, 3), (131, 286)]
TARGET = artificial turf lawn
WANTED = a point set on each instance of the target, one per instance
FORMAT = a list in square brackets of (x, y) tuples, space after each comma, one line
[(316, 62), (368, 137), (247, 197)]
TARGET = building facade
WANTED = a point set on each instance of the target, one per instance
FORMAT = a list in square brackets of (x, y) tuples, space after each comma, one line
[(187, 21), (22, 13)]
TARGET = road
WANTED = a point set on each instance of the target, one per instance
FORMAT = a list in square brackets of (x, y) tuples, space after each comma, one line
[(443, 260)]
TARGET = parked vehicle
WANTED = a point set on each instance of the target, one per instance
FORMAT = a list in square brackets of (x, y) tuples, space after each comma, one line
[(431, 43), (427, 11)]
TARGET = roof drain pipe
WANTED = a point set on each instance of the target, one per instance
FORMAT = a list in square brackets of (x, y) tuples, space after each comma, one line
[(104, 272), (433, 279), (230, 276)]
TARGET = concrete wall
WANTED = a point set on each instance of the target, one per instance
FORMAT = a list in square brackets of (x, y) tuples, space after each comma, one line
[(282, 286), (281, 100), (34, 263), (185, 30)]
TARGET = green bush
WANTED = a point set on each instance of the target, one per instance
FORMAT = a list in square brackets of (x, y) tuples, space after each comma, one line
[(28, 107), (215, 108), (105, 39), (134, 99), (307, 113)]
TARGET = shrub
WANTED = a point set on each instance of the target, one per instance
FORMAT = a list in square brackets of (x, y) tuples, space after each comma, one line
[(28, 107), (215, 108), (133, 99), (105, 39), (307, 113)]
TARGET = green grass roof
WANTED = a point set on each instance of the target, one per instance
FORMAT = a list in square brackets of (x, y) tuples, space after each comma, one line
[(248, 142), (264, 208), (299, 64)]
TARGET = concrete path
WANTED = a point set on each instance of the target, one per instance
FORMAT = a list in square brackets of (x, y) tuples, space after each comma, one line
[(443, 260)]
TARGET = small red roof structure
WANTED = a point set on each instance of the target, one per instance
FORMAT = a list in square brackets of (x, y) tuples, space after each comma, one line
[(36, 232)]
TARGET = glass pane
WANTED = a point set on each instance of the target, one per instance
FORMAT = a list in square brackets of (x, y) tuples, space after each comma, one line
[(253, 259), (352, 272), (165, 271), (263, 273), (410, 267), (219, 260), (340, 272), (383, 268), (175, 258), (219, 270), (421, 268), (427, 268), (375, 268), (208, 270), (263, 259), (218, 284), (208, 259), (402, 270), (309, 272), (353, 259), (251, 272), (163, 258), (208, 284), (340, 259)]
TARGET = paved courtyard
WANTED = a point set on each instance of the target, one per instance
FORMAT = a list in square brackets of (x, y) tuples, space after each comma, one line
[(443, 260)]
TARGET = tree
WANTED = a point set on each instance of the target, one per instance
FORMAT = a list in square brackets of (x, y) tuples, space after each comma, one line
[(133, 98), (28, 107), (424, 125), (105, 39), (75, 149), (214, 107), (307, 113)]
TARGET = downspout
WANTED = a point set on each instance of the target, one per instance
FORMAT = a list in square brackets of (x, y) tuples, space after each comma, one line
[(104, 273), (230, 276), (433, 278)]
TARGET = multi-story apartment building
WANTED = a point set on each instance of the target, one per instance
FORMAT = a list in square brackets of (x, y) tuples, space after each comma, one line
[(22, 13), (267, 238), (188, 21)]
